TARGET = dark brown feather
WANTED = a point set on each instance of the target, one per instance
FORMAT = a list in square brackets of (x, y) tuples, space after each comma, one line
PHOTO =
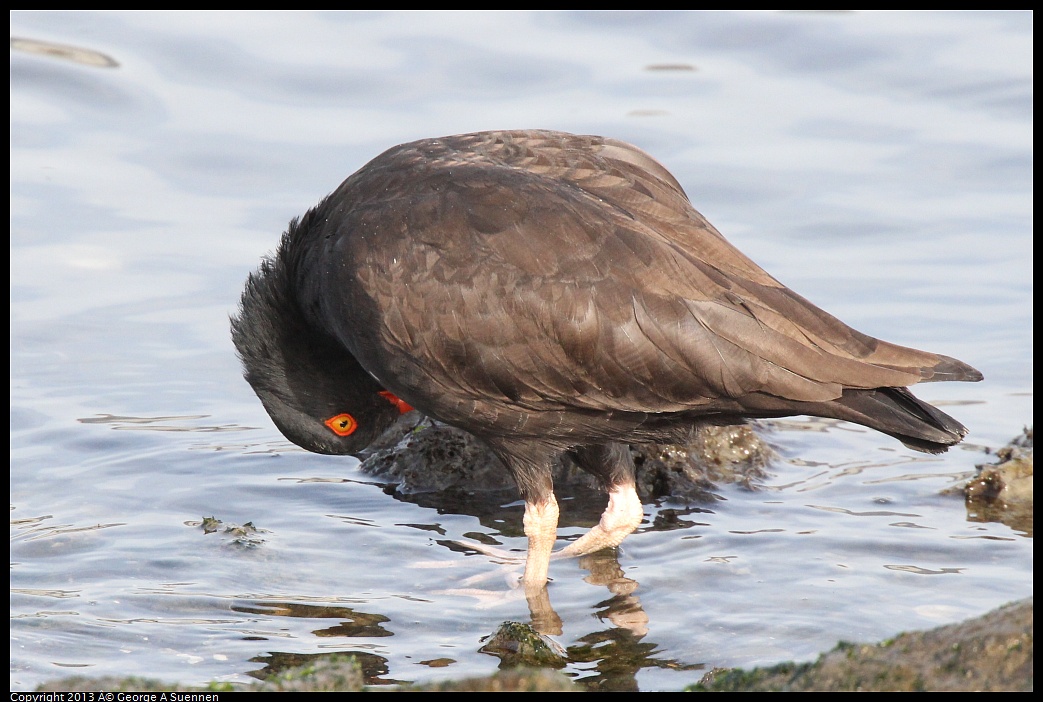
[(515, 273)]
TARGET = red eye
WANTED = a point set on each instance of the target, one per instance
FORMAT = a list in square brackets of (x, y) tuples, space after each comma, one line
[(342, 424)]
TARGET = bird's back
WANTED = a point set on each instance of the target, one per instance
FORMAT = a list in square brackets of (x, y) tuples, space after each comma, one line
[(545, 284)]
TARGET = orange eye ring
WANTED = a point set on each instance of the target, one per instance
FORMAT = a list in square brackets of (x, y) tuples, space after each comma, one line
[(342, 424)]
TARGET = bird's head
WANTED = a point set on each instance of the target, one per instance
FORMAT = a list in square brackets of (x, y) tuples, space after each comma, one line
[(313, 388)]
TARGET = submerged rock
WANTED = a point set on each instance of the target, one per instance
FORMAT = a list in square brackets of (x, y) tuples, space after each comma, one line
[(420, 455)]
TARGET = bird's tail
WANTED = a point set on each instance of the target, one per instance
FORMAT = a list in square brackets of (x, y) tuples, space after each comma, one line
[(897, 412)]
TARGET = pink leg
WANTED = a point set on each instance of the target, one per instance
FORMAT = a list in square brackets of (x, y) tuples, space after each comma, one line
[(541, 526), (622, 515)]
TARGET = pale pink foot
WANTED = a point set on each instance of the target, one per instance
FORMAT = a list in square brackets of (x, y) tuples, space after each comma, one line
[(621, 517)]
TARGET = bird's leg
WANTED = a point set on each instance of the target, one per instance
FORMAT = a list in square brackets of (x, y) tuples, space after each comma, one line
[(541, 526), (613, 465), (530, 464), (622, 515)]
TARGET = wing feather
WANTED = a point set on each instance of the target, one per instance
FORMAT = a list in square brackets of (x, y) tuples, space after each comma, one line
[(559, 272)]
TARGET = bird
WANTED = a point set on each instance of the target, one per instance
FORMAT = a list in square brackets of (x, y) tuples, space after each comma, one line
[(549, 293)]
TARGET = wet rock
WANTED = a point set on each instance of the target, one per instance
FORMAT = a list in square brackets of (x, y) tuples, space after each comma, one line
[(988, 654), (517, 644), (712, 455), (243, 535), (420, 455), (1002, 491), (520, 680), (433, 457), (337, 673)]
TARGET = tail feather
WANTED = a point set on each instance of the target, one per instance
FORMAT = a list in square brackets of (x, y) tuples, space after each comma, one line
[(898, 413)]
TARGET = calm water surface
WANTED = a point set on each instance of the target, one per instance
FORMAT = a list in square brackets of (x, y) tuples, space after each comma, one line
[(880, 164)]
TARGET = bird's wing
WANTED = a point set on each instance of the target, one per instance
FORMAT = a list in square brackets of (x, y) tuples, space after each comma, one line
[(552, 273)]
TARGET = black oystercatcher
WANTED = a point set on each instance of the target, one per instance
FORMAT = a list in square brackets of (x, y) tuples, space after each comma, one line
[(549, 292)]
